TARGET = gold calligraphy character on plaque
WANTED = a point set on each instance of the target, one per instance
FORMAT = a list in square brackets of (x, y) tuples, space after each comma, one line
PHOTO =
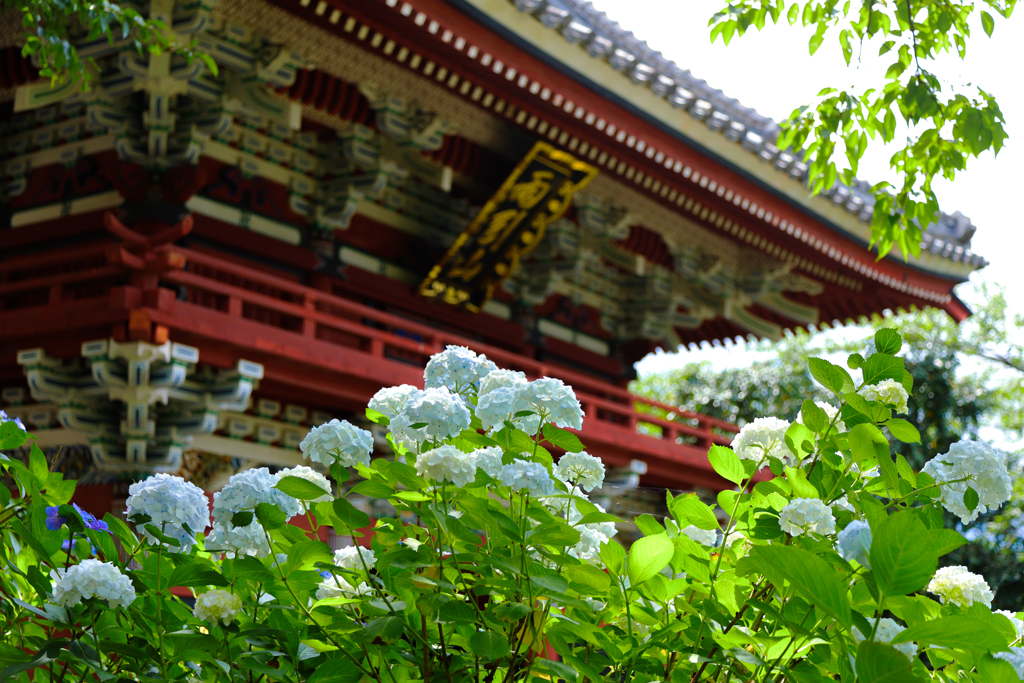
[(500, 226), (527, 194), (467, 268)]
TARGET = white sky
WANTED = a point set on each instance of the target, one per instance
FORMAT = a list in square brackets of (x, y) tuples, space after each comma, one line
[(773, 72)]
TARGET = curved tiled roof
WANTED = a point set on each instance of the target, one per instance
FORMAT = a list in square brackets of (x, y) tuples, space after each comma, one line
[(579, 22)]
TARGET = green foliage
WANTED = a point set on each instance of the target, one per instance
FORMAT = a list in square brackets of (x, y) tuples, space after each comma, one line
[(944, 128)]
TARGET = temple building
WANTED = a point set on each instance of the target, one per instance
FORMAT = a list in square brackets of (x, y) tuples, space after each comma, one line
[(197, 265)]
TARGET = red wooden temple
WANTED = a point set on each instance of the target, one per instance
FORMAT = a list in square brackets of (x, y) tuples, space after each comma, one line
[(195, 267)]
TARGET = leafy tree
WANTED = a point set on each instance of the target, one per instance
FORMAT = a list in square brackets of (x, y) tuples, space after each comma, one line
[(944, 127)]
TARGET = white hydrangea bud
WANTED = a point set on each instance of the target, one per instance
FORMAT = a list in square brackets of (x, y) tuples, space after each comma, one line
[(582, 469), (489, 460), (532, 476), (447, 463), (854, 543), (92, 579), (1016, 659), (706, 537), (957, 585), (217, 605), (242, 493), (442, 414), (497, 379), (831, 412), (179, 508), (458, 369), (886, 631), (312, 476), (982, 467), (338, 441), (888, 392), (765, 435), (349, 558), (807, 516), (389, 401)]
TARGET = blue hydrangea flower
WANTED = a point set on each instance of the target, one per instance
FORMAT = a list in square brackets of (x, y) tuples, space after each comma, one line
[(17, 421), (54, 520)]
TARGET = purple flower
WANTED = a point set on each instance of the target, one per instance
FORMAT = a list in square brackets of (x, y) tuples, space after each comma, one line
[(17, 421), (54, 520)]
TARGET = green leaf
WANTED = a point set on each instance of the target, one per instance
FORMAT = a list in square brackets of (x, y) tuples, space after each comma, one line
[(688, 507), (830, 376), (612, 555), (270, 516), (588, 575), (881, 663), (987, 23), (974, 634), (562, 438), (648, 556), (37, 465), (488, 644), (33, 542), (189, 575), (813, 417), (372, 488), (800, 440), (12, 436), (994, 670), (888, 340), (903, 430), (971, 499), (300, 554), (879, 366), (726, 463), (243, 518), (250, 568), (903, 554), (801, 487), (377, 417), (868, 445), (809, 575), (349, 515), (946, 540), (300, 488), (338, 670)]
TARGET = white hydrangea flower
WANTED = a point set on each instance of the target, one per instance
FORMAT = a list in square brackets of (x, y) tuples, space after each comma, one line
[(886, 631), (447, 463), (843, 503), (854, 543), (217, 605), (312, 476), (984, 469), (458, 369), (523, 474), (172, 504), (500, 404), (337, 587), (582, 469), (242, 493), (553, 400), (92, 579), (957, 585), (496, 379), (1016, 659), (349, 558), (1017, 622), (889, 392), (389, 401), (764, 435), (807, 516), (489, 460), (831, 412), (442, 414), (591, 540), (706, 537), (338, 441)]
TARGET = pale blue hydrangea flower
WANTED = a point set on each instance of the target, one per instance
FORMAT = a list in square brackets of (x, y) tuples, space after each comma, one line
[(553, 400), (458, 369), (447, 463), (442, 414), (177, 507), (92, 579), (338, 441), (242, 493), (532, 476), (764, 435), (581, 469), (17, 420), (489, 460), (500, 404), (984, 470), (708, 537), (807, 516), (349, 558), (854, 543), (888, 391), (389, 401), (497, 379), (312, 476), (886, 631)]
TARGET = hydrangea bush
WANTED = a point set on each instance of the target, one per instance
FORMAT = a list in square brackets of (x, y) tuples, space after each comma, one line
[(819, 560)]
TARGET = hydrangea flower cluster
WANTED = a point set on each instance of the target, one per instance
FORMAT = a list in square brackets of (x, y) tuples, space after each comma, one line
[(963, 588), (217, 605), (447, 463), (888, 391), (16, 420), (854, 543), (981, 467), (592, 536), (489, 460), (831, 412), (349, 558), (807, 516), (458, 369), (499, 379), (337, 587), (178, 508), (338, 441), (92, 579), (706, 537), (55, 520), (581, 469), (552, 399), (242, 493), (886, 631), (532, 476), (441, 413), (764, 436), (389, 401), (499, 404), (312, 476)]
